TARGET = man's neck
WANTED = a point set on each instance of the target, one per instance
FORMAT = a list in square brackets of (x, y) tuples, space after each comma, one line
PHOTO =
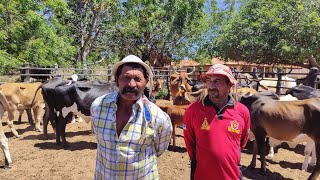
[(220, 102), (125, 104)]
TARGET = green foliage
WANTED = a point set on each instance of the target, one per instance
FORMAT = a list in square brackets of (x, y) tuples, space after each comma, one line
[(163, 26), (31, 32), (270, 31), (8, 63), (162, 94)]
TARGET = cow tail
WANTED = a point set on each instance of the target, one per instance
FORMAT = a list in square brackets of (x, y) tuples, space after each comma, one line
[(35, 94)]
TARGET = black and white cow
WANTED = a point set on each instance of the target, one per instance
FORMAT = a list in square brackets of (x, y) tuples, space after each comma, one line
[(48, 93), (304, 92), (73, 99)]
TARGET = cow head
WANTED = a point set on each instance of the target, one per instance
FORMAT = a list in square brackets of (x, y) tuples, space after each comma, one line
[(180, 83), (158, 85), (310, 78)]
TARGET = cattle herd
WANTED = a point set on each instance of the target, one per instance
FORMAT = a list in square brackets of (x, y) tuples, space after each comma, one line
[(292, 118)]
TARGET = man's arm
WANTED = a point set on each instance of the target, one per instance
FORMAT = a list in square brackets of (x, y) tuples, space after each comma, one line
[(188, 133), (163, 136), (246, 130)]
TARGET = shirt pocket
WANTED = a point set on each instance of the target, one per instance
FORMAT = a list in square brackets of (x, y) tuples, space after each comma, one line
[(147, 138)]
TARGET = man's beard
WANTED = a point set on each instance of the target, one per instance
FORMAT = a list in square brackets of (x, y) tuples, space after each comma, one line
[(214, 93)]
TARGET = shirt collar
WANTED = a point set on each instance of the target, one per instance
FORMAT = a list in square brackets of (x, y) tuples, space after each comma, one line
[(208, 102), (113, 97)]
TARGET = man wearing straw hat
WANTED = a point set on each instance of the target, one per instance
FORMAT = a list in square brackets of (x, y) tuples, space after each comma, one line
[(131, 131), (216, 128)]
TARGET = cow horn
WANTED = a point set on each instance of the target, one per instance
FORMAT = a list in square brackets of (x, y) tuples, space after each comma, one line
[(273, 70), (289, 70), (194, 68), (312, 62), (174, 69)]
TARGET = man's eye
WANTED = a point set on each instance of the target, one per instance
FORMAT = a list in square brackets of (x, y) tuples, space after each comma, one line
[(126, 78), (137, 79)]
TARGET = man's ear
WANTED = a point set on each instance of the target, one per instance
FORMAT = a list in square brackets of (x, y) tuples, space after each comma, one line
[(116, 81)]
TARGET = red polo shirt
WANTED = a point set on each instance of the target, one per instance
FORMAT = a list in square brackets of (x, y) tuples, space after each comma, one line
[(215, 137)]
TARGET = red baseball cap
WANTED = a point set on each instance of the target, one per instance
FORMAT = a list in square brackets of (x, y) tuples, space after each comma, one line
[(221, 70)]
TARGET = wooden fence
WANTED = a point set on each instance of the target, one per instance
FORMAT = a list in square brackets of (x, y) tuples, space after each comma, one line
[(27, 73)]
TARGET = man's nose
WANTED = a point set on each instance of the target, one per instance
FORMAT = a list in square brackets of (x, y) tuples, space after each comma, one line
[(132, 83)]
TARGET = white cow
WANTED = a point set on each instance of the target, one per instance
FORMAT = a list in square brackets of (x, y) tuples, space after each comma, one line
[(4, 145), (272, 82)]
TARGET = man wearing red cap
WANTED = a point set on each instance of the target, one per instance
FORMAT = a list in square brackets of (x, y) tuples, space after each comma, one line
[(216, 128)]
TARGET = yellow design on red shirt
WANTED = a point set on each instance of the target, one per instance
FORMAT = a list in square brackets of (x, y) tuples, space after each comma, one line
[(205, 125), (234, 125)]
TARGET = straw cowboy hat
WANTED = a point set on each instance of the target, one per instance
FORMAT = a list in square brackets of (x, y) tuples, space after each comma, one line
[(131, 59)]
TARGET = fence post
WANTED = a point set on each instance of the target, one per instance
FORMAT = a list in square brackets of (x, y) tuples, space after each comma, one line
[(168, 74), (279, 74), (27, 72), (56, 68), (109, 73), (85, 71)]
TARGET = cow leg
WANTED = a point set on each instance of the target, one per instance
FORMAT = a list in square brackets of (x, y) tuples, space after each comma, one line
[(58, 128), (174, 135), (63, 124), (316, 170), (4, 145), (307, 151), (313, 155), (49, 115), (10, 124), (254, 155), (20, 117), (261, 143), (37, 113), (30, 120), (5, 148), (273, 143), (271, 153), (45, 123)]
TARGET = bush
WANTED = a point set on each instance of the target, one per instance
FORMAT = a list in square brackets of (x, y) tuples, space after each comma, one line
[(162, 94)]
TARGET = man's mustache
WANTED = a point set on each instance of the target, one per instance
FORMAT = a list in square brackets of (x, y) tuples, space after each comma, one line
[(130, 90), (213, 90)]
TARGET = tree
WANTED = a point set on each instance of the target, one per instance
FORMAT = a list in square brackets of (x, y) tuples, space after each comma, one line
[(158, 31), (30, 32), (265, 31), (90, 22)]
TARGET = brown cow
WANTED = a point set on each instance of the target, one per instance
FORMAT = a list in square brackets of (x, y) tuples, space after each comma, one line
[(283, 120), (158, 85), (22, 96), (246, 91), (175, 112), (179, 86)]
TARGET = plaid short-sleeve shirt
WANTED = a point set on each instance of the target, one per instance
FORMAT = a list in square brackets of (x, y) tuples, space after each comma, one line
[(132, 155)]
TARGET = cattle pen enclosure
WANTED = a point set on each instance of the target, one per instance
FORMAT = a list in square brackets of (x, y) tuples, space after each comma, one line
[(278, 82)]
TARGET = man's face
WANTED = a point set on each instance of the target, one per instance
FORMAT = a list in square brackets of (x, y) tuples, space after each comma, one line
[(218, 88), (131, 83)]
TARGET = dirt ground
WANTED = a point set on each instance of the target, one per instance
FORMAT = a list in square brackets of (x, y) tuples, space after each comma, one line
[(37, 159)]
